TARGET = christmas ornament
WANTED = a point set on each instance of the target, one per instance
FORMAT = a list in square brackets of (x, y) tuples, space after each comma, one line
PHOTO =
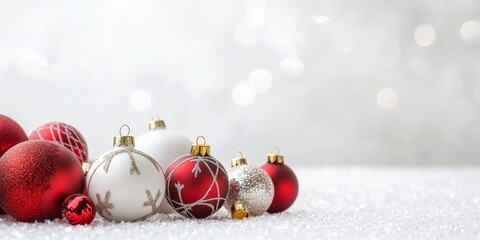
[(197, 183), (251, 189), (284, 180), (11, 134), (65, 135), (125, 184), (164, 146), (78, 209), (35, 177)]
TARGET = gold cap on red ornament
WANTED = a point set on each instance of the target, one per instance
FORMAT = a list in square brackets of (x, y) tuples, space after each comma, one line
[(274, 156), (156, 123), (127, 141), (85, 167), (237, 161), (239, 211), (200, 149)]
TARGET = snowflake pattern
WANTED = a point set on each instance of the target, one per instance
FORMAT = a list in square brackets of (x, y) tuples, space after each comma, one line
[(104, 206), (133, 166)]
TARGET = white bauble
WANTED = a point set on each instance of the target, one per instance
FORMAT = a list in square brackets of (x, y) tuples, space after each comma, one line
[(164, 146), (126, 184)]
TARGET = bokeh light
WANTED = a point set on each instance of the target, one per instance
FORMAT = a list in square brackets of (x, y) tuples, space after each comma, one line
[(261, 4), (425, 35), (246, 35), (243, 94), (470, 30), (140, 100), (30, 64), (261, 80), (292, 66), (254, 17), (387, 98), (319, 19)]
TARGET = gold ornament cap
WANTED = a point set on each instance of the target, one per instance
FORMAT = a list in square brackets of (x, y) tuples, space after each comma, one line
[(275, 157), (85, 167), (200, 149), (156, 124), (237, 161), (127, 141), (239, 211)]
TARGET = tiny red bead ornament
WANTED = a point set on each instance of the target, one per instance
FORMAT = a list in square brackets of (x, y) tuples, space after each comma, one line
[(35, 177), (65, 135), (284, 181), (11, 134), (197, 183), (78, 209)]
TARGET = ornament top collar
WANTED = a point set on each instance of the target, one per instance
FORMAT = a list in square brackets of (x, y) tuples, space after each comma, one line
[(275, 157), (126, 141), (200, 149)]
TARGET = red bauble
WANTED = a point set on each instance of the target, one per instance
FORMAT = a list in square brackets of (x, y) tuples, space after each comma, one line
[(78, 209), (197, 186), (35, 178), (64, 134), (285, 184), (11, 134)]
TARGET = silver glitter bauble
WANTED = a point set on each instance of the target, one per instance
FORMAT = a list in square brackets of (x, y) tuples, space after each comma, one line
[(251, 190)]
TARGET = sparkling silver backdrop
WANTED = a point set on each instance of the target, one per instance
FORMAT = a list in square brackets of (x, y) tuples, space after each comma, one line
[(328, 82)]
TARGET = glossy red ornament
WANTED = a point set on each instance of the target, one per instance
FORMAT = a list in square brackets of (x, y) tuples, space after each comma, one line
[(284, 181), (65, 135), (11, 134), (78, 209), (35, 177), (197, 183)]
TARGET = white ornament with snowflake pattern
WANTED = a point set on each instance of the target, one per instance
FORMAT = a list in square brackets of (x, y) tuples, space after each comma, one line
[(125, 184), (164, 146)]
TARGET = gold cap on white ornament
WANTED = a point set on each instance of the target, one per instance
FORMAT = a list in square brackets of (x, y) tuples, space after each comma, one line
[(237, 161), (127, 140), (274, 156), (156, 123), (200, 149), (239, 211)]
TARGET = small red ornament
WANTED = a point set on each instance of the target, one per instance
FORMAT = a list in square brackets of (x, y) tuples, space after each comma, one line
[(65, 135), (284, 181), (11, 134), (35, 178), (78, 209), (197, 183)]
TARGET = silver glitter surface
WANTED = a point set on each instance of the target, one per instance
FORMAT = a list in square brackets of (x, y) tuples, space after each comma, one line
[(333, 203), (252, 186)]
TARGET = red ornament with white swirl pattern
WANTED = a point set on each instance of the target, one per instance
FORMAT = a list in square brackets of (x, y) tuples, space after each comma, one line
[(197, 183), (65, 135)]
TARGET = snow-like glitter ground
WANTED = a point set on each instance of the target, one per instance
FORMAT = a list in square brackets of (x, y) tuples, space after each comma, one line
[(334, 203)]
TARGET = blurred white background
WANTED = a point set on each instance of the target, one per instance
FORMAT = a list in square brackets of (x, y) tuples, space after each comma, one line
[(326, 81)]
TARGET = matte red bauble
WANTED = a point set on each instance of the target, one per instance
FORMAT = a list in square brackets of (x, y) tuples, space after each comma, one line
[(284, 181), (11, 134), (78, 209), (35, 177), (197, 183), (65, 135)]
